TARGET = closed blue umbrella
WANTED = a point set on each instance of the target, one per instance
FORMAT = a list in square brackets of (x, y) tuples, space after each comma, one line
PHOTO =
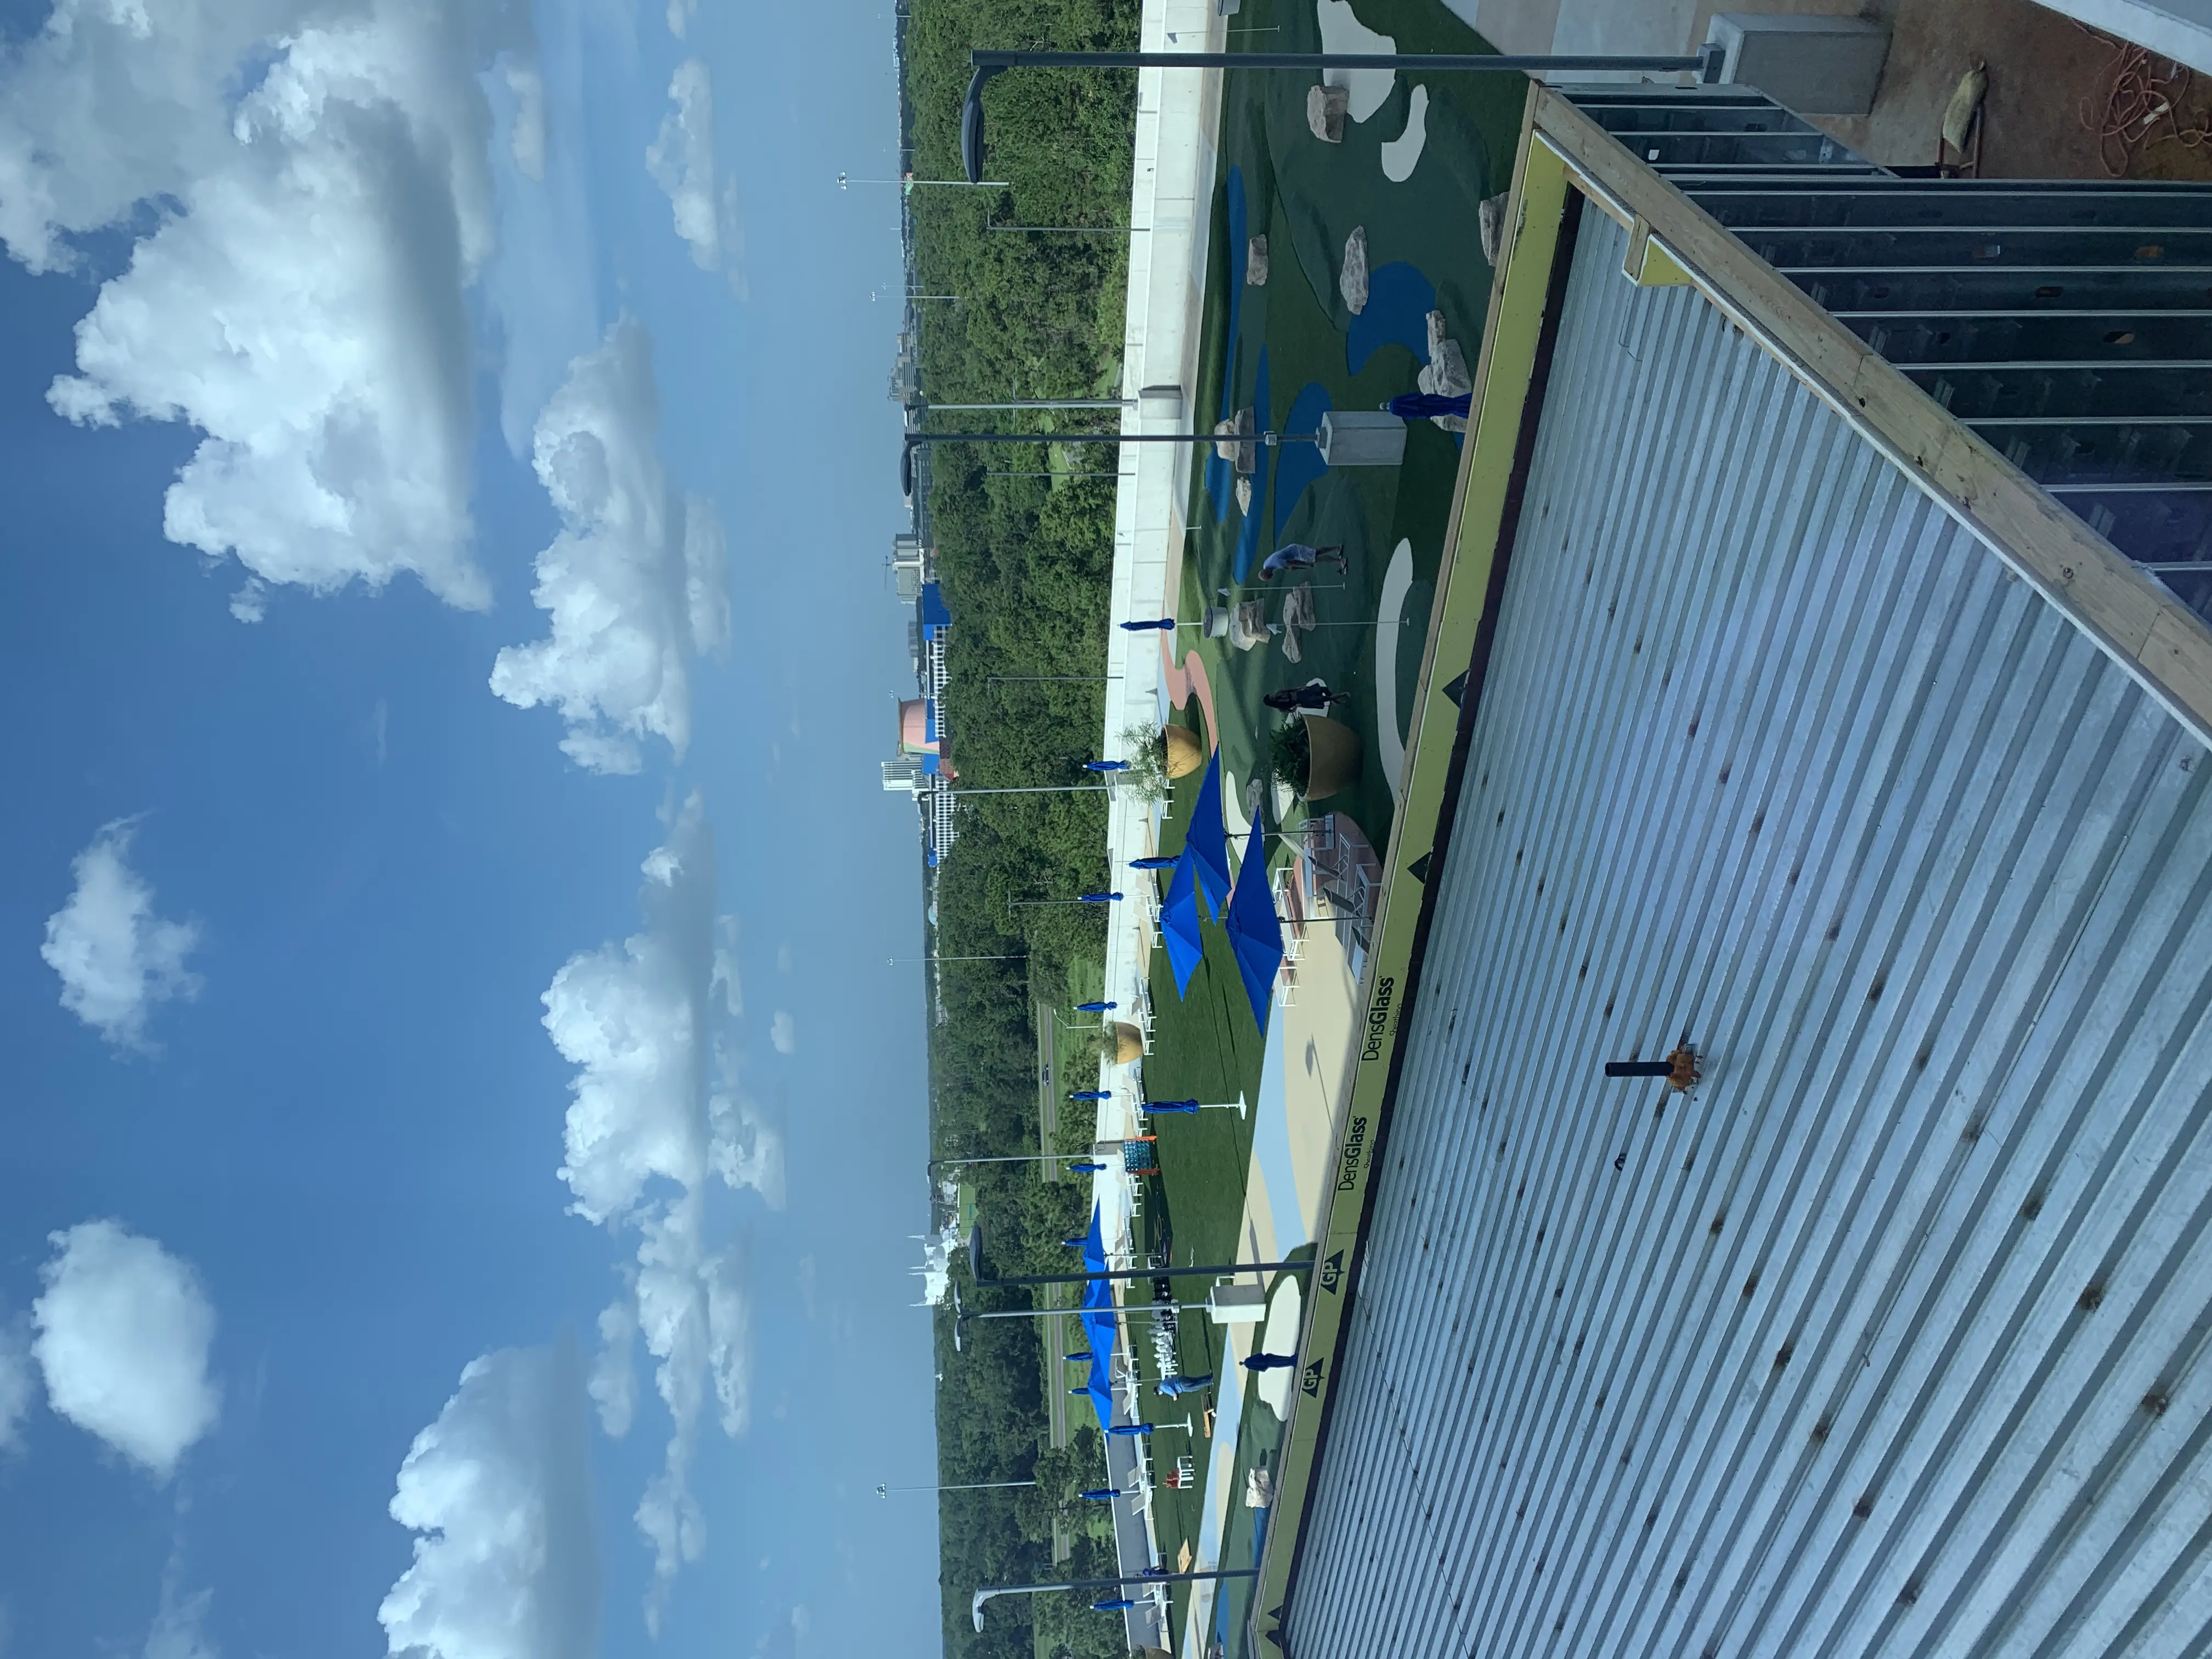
[(1420, 405), (1120, 1606), (1179, 922), (1104, 1494), (1105, 766), (1095, 1007), (1165, 622), (1256, 933), (1098, 898), (1131, 1429), (1206, 844), (1087, 1167), (1151, 863), (1092, 1094), (1185, 1106)]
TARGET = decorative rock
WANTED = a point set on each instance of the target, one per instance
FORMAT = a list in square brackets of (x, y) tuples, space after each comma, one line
[(1490, 219), (1326, 107), (1255, 263), (1244, 493), (1352, 283), (1447, 371), (1231, 443)]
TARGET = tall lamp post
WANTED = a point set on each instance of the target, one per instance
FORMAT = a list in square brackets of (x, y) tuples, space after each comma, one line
[(1706, 64), (1113, 1275), (1143, 1579), (883, 1490)]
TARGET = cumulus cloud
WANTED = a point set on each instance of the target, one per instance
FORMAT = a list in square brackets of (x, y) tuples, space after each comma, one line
[(657, 1113), (783, 1033), (179, 1627), (313, 195), (635, 582), (19, 1387), (680, 14), (681, 160), (498, 1494), (124, 1331), (613, 1386), (116, 959)]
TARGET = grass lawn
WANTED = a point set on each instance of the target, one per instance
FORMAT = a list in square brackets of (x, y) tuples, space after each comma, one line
[(1289, 351)]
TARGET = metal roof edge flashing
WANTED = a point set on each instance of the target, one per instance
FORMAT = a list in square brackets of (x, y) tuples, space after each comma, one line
[(2162, 644)]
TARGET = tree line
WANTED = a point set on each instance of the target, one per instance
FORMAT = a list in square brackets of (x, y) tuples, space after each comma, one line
[(1025, 563)]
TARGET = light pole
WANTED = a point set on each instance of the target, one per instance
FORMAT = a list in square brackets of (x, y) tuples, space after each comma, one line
[(883, 1490), (1113, 1274), (916, 438), (922, 405), (983, 1596), (845, 181), (1035, 789), (1706, 64), (1012, 955)]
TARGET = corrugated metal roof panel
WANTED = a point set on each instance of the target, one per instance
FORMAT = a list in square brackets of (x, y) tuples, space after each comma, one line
[(1890, 1337)]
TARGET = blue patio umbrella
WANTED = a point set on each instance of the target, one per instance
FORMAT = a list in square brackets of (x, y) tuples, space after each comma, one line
[(1095, 1007), (1151, 863), (1420, 405), (1179, 922), (1207, 844), (1256, 933), (1186, 1106)]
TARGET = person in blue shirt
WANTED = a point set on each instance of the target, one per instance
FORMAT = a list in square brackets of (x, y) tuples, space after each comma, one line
[(1296, 556)]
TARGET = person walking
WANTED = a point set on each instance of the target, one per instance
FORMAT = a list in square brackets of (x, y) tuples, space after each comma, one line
[(1296, 556), (1292, 698)]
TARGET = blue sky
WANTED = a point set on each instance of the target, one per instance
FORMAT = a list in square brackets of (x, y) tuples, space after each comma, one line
[(409, 978)]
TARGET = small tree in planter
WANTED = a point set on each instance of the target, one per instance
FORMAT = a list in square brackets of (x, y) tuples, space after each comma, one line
[(1314, 756), (1146, 750)]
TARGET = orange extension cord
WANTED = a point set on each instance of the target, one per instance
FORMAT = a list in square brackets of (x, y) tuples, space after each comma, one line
[(2137, 98)]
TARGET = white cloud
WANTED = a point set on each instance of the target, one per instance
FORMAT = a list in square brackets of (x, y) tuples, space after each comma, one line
[(682, 163), (783, 1033), (498, 1491), (527, 138), (179, 1627), (123, 1330), (116, 957), (656, 1114), (680, 14), (19, 1387), (315, 196), (783, 958), (613, 1386), (634, 583)]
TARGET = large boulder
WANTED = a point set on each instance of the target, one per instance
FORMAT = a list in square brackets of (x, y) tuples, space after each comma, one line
[(1326, 108), (1352, 283)]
